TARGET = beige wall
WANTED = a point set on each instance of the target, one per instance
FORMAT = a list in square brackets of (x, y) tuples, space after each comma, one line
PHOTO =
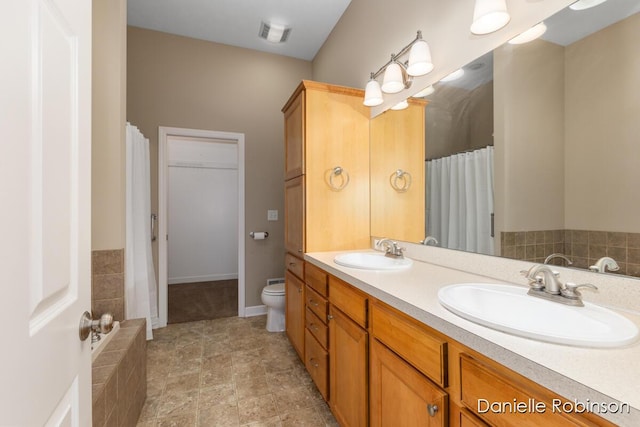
[(181, 82), (603, 129), (108, 120), (529, 136), (370, 30)]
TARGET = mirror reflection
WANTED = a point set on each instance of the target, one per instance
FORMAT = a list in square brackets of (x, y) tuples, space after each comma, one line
[(533, 152)]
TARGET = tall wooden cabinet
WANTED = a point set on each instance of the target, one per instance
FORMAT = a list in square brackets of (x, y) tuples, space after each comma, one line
[(326, 184)]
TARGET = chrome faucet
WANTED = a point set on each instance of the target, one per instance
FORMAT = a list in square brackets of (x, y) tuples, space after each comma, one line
[(392, 250), (605, 263), (430, 240), (557, 255), (549, 279), (544, 283)]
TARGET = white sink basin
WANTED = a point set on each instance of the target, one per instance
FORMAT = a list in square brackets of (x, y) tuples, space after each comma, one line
[(509, 309), (372, 261)]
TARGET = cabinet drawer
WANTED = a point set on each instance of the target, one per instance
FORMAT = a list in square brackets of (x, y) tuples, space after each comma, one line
[(317, 328), (493, 393), (317, 363), (317, 303), (349, 300), (316, 278), (427, 352), (294, 264), (467, 419)]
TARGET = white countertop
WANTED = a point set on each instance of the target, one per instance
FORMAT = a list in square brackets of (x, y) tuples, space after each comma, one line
[(588, 375)]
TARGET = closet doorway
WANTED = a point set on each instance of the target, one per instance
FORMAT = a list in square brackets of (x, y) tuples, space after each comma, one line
[(200, 224)]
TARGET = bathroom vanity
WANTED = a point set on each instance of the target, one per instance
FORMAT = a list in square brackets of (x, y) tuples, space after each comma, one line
[(383, 351)]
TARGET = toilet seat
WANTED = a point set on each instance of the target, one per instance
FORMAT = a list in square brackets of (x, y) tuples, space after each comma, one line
[(277, 289)]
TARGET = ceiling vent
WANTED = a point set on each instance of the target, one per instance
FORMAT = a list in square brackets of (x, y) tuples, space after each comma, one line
[(275, 33)]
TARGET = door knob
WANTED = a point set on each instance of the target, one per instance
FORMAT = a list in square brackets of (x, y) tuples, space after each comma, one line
[(87, 324)]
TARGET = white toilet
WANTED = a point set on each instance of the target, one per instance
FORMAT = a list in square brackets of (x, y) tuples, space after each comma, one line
[(273, 298)]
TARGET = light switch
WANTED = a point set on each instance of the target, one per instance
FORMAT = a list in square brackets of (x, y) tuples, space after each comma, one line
[(272, 215)]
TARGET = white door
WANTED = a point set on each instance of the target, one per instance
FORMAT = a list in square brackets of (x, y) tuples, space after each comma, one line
[(45, 202)]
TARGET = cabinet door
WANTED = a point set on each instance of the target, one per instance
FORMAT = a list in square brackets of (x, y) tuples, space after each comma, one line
[(397, 142), (294, 138), (402, 396), (348, 346), (294, 312), (294, 215)]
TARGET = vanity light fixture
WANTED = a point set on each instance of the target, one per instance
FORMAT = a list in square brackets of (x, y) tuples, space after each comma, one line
[(453, 76), (530, 35), (275, 33), (398, 75), (400, 105), (489, 16), (585, 4)]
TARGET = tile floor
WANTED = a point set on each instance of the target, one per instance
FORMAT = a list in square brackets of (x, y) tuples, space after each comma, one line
[(228, 372)]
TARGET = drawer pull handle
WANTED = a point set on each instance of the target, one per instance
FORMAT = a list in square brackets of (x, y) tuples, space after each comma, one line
[(292, 264), (432, 409), (313, 362), (299, 290), (313, 303), (313, 327)]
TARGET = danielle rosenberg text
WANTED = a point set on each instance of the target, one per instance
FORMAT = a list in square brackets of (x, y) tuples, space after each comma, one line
[(533, 406)]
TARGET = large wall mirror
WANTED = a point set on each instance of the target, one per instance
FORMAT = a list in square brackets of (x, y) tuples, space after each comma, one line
[(535, 150)]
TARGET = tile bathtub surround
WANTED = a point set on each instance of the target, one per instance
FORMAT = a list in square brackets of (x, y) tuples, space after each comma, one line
[(583, 247), (228, 372), (119, 377), (107, 283)]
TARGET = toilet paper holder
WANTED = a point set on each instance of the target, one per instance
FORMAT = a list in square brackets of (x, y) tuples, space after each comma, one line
[(259, 235)]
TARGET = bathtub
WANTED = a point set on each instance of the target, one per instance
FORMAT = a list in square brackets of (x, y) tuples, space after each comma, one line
[(96, 347)]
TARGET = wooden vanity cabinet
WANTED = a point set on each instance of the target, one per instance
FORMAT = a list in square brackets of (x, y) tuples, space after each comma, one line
[(386, 368), (348, 354)]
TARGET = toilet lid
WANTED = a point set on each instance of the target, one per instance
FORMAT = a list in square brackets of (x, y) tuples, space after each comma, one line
[(277, 289)]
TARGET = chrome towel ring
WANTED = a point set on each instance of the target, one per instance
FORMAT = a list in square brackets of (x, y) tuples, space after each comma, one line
[(338, 178), (400, 181)]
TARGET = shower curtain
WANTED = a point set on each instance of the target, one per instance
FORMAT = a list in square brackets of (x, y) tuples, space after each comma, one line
[(459, 201), (140, 281)]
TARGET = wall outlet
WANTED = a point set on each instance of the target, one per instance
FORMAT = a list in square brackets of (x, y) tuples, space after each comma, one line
[(272, 215)]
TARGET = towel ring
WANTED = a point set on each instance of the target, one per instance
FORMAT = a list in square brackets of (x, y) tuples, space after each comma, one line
[(400, 181), (344, 178)]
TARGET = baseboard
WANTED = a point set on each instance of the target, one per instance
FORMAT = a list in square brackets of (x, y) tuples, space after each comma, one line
[(256, 310), (206, 278)]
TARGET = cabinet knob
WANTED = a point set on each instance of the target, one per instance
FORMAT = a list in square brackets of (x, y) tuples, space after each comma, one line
[(299, 290), (313, 302), (329, 317), (432, 409), (313, 362)]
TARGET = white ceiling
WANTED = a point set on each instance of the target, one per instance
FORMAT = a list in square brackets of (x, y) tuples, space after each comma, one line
[(237, 22)]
